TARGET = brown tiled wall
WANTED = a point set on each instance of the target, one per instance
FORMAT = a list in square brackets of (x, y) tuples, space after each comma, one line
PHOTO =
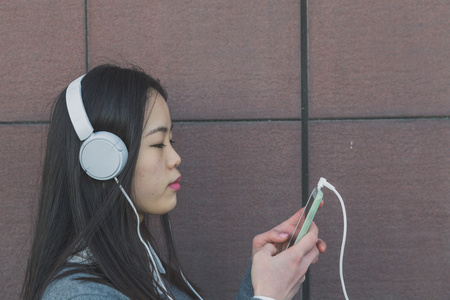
[(379, 103)]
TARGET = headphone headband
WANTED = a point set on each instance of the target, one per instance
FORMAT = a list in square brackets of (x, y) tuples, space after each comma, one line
[(103, 154), (76, 110)]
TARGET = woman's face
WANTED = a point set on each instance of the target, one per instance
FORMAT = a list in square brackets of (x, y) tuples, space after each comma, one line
[(156, 179)]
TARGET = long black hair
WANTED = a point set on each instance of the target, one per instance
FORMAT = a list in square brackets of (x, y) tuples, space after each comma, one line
[(77, 212)]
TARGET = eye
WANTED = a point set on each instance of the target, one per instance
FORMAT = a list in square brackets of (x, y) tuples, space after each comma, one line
[(160, 146)]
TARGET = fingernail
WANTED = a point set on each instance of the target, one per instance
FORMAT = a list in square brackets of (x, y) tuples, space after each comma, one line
[(283, 235)]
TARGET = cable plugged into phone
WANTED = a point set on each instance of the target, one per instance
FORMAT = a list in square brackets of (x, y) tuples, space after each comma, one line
[(324, 183)]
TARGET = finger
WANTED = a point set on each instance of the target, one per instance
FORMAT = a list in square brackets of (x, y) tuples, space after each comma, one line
[(295, 217), (269, 250), (316, 260), (310, 258), (305, 253), (291, 223), (322, 246), (274, 236), (305, 245), (302, 279), (313, 228)]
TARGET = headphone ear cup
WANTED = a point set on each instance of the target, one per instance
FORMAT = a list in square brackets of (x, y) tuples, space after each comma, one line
[(103, 155)]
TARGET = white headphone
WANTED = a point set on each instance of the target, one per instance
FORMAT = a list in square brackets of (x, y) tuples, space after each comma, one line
[(102, 154)]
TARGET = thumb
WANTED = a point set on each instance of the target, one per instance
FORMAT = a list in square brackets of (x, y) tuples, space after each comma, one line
[(269, 249), (276, 236)]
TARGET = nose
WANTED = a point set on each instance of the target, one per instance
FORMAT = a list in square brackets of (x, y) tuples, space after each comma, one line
[(174, 159)]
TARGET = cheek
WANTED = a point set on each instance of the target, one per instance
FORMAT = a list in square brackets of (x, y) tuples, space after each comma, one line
[(147, 178), (146, 171)]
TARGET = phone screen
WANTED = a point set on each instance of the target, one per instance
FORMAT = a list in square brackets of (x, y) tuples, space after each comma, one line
[(307, 216)]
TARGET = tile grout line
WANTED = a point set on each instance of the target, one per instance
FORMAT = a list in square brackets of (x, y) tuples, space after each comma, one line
[(86, 44), (304, 99), (310, 120)]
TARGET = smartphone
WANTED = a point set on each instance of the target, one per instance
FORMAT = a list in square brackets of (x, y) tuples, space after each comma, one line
[(307, 216)]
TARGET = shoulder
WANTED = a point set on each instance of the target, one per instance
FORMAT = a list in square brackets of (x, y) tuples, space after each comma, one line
[(70, 288)]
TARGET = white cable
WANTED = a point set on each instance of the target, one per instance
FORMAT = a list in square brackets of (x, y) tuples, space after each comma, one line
[(191, 287), (148, 248), (142, 240), (323, 182)]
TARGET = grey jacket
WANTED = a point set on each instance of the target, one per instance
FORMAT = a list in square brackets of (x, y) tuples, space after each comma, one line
[(68, 288)]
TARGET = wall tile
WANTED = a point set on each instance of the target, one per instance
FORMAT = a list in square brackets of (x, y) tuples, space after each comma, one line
[(379, 58), (219, 60), (393, 177), (238, 180), (43, 48), (21, 161)]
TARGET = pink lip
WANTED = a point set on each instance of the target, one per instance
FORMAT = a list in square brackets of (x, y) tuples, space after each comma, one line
[(176, 184)]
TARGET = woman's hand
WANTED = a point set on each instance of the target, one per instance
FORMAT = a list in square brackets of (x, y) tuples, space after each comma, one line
[(279, 274), (280, 235)]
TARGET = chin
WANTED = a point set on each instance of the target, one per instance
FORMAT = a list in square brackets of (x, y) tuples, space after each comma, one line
[(162, 206), (170, 205)]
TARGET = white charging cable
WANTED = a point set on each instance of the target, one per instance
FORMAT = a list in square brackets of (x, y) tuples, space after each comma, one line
[(323, 183)]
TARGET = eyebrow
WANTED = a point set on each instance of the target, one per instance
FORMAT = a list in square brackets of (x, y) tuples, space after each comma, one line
[(162, 129)]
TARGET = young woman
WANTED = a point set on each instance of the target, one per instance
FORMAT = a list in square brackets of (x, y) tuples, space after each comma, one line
[(109, 163)]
